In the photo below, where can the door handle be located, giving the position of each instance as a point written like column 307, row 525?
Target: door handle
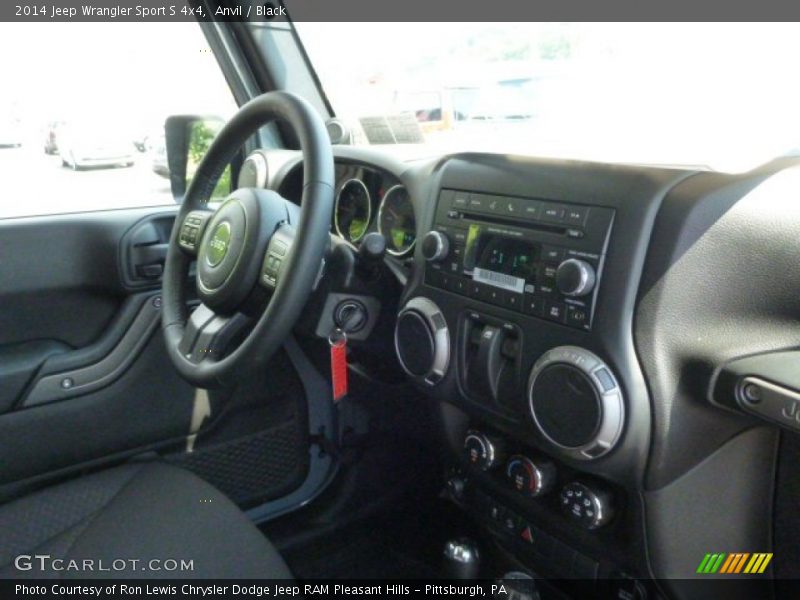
column 144, row 250
column 148, row 261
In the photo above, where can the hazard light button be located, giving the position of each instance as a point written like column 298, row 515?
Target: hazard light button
column 527, row 534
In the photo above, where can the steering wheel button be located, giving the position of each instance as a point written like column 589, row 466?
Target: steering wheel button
column 279, row 248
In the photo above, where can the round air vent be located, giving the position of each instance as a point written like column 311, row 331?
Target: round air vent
column 575, row 402
column 422, row 340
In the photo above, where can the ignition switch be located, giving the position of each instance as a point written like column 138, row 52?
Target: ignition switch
column 350, row 316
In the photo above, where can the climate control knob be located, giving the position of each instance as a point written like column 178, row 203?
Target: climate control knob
column 435, row 246
column 530, row 478
column 575, row 277
column 483, row 451
column 590, row 506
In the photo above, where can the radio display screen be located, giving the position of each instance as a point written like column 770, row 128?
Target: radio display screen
column 500, row 260
column 508, row 256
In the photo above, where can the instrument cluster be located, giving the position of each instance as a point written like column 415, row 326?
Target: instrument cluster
column 367, row 201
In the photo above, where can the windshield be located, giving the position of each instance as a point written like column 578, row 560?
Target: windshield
column 721, row 96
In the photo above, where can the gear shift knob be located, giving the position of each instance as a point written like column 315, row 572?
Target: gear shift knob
column 461, row 559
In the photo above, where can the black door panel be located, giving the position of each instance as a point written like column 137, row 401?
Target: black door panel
column 18, row 363
column 59, row 275
column 64, row 304
column 83, row 374
column 96, row 366
column 146, row 407
column 85, row 381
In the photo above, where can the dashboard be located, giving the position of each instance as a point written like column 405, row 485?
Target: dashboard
column 367, row 199
column 586, row 328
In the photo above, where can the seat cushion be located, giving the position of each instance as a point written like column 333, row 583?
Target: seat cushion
column 143, row 512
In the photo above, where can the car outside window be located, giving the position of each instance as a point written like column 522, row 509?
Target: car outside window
column 718, row 95
column 82, row 111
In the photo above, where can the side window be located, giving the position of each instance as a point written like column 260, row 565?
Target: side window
column 83, row 107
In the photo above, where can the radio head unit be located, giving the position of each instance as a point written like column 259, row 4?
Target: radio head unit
column 536, row 257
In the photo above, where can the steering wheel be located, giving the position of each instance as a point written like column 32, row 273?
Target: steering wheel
column 256, row 247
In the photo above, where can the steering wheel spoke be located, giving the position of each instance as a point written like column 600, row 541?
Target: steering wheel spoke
column 208, row 335
column 192, row 229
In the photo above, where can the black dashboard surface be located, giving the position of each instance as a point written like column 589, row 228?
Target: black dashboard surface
column 701, row 268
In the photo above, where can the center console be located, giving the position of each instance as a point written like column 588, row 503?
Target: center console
column 519, row 313
column 540, row 261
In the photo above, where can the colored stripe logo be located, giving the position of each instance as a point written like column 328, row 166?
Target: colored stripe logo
column 734, row 563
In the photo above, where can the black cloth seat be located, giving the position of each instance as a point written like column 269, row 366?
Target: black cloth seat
column 140, row 512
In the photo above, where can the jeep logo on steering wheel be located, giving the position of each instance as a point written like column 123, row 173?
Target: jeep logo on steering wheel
column 218, row 245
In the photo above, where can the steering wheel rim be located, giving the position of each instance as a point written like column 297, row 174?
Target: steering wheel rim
column 311, row 229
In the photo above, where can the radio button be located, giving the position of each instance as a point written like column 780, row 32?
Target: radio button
column 458, row 285
column 478, row 202
column 531, row 209
column 460, row 200
column 495, row 204
column 576, row 215
column 476, row 290
column 459, row 236
column 547, row 289
column 553, row 213
column 552, row 254
column 533, row 305
column 513, row 301
column 555, row 311
column 577, row 316
column 510, row 207
column 495, row 296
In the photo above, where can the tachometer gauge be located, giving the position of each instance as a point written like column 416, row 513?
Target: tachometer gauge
column 396, row 221
column 353, row 210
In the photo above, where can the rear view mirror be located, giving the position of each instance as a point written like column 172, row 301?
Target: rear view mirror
column 187, row 139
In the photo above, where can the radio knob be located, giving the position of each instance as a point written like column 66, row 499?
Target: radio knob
column 483, row 451
column 575, row 277
column 435, row 246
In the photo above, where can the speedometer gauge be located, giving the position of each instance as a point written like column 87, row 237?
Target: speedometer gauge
column 396, row 221
column 353, row 210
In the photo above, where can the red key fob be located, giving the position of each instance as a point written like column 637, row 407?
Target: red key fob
column 338, row 343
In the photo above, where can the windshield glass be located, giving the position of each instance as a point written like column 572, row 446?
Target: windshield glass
column 722, row 96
